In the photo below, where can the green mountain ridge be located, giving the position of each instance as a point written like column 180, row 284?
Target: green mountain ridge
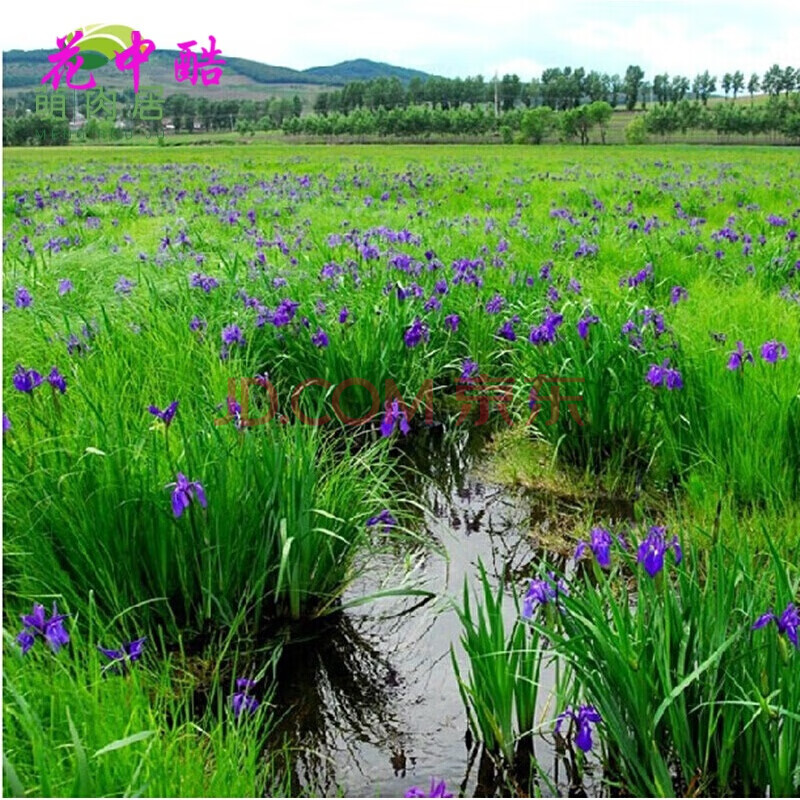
column 23, row 71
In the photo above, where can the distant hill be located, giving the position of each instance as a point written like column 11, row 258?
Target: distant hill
column 362, row 69
column 23, row 70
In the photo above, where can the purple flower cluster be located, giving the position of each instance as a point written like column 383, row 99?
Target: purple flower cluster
column 184, row 492
column 167, row 414
column 632, row 281
column 739, row 357
column 787, row 623
column 384, row 519
column 584, row 322
column 26, row 380
column 654, row 547
column 774, row 351
column 127, row 654
column 204, row 282
column 438, row 789
column 417, row 332
column 395, row 417
column 542, row 592
column 664, row 375
column 242, row 700
column 582, row 720
column 599, row 543
column 547, row 331
column 51, row 630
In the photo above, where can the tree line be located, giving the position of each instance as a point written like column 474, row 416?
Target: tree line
column 558, row 88
column 779, row 116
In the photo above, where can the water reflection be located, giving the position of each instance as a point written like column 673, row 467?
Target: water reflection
column 371, row 701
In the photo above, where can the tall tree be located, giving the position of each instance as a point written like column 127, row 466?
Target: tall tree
column 772, row 82
column 617, row 87
column 737, row 82
column 634, row 76
column 678, row 89
column 788, row 79
column 509, row 91
column 703, row 85
column 595, row 87
column 727, row 83
column 753, row 85
column 661, row 88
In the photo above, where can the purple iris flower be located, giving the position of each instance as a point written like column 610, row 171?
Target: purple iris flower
column 241, row 700
column 599, row 544
column 417, row 332
column 583, row 719
column 65, row 286
column 204, row 282
column 25, row 380
column 167, row 414
column 664, row 375
column 184, row 492
column 343, row 315
column 787, row 623
column 469, row 369
column 6, row 423
column 506, row 330
column 232, row 334
column 739, row 356
column 547, row 331
column 773, row 350
column 585, row 249
column 285, row 312
column 438, row 789
column 395, row 416
column 129, row 652
column 35, row 624
column 541, row 592
column 652, row 550
column 384, row 518
column 677, row 294
column 574, row 286
column 320, row 338
column 22, row 298
column 495, row 305
column 584, row 323
column 56, row 380
column 451, row 322
column 123, row 285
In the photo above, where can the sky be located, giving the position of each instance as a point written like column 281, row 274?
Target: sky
column 450, row 38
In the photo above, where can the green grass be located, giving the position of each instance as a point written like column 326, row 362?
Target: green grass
column 73, row 729
column 87, row 506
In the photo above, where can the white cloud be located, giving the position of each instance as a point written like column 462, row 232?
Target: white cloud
column 454, row 37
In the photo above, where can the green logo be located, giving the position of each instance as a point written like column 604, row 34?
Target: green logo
column 100, row 43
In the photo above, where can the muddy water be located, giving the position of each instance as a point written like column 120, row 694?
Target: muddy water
column 375, row 707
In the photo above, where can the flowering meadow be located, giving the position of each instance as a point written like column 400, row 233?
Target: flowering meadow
column 213, row 360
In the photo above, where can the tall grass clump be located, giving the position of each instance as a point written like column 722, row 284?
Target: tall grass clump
column 505, row 657
column 77, row 725
column 285, row 514
column 692, row 697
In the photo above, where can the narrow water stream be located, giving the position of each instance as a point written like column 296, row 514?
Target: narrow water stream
column 375, row 706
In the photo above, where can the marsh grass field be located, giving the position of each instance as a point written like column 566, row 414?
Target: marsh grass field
column 157, row 299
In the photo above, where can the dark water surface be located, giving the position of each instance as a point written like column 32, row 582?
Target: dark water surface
column 375, row 706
